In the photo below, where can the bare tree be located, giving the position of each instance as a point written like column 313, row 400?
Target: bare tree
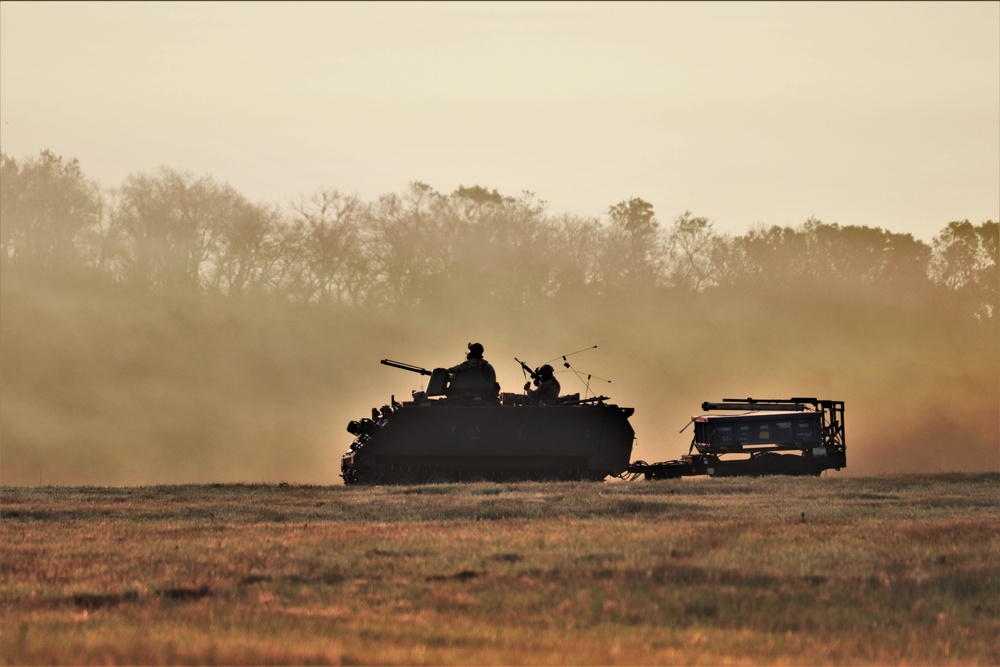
column 576, row 253
column 408, row 246
column 248, row 252
column 691, row 253
column 966, row 260
column 499, row 247
column 632, row 252
column 168, row 225
column 47, row 206
column 329, row 234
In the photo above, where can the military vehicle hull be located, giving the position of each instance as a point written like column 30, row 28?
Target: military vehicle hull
column 444, row 441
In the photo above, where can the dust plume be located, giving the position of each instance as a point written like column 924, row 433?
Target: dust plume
column 122, row 363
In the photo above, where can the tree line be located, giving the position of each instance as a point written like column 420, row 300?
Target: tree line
column 170, row 230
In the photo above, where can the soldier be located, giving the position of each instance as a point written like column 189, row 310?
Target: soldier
column 474, row 359
column 475, row 375
column 548, row 387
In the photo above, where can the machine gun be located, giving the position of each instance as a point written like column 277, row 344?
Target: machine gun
column 480, row 382
column 527, row 369
column 436, row 386
column 406, row 367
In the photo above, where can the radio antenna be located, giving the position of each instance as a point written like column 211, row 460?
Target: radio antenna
column 563, row 356
column 580, row 374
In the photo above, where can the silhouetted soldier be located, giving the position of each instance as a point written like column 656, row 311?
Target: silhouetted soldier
column 475, row 375
column 548, row 387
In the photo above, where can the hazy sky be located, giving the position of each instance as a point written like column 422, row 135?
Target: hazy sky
column 859, row 113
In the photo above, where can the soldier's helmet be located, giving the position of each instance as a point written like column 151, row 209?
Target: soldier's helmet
column 475, row 351
column 546, row 371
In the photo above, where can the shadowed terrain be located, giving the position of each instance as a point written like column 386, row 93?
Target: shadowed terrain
column 863, row 570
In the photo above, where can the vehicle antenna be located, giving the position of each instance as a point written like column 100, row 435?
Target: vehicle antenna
column 563, row 357
column 586, row 383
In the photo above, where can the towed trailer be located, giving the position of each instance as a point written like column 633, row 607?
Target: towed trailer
column 796, row 436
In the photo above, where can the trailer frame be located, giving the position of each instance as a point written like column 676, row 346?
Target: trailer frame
column 830, row 453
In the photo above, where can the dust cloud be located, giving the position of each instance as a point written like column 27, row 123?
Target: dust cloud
column 106, row 386
column 110, row 380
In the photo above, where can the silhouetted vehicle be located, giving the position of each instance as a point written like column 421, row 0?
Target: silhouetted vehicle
column 796, row 436
column 462, row 428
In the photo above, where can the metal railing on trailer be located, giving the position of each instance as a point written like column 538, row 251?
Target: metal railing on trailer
column 796, row 436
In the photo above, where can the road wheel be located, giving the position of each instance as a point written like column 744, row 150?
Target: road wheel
column 439, row 478
column 477, row 477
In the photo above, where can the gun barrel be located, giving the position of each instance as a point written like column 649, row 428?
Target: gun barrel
column 754, row 406
column 406, row 367
column 527, row 369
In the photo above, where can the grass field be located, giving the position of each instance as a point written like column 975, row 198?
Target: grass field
column 882, row 570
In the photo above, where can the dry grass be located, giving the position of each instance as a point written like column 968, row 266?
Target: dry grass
column 887, row 570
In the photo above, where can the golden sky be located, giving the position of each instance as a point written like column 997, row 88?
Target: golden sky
column 878, row 114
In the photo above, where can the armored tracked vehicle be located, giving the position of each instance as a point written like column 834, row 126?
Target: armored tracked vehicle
column 461, row 428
